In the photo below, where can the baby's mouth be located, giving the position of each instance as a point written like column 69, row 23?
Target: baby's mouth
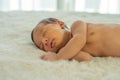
column 52, row 44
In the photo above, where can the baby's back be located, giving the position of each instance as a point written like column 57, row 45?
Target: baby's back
column 103, row 39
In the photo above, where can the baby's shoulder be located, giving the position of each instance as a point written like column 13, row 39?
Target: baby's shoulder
column 78, row 27
column 76, row 23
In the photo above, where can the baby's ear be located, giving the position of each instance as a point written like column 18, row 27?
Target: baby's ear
column 61, row 23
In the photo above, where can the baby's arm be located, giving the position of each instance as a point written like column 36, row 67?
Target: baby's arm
column 82, row 56
column 79, row 31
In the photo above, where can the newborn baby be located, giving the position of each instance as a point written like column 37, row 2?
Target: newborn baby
column 82, row 42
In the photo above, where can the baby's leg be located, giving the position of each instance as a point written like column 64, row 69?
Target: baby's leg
column 82, row 56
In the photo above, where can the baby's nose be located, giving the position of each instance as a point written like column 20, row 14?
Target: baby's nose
column 45, row 41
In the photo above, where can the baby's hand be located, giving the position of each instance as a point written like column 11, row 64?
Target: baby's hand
column 49, row 56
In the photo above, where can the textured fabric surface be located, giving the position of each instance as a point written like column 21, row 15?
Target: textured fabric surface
column 20, row 59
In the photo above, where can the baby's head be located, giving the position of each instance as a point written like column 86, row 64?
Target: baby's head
column 50, row 35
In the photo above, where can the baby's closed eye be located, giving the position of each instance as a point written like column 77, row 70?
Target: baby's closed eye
column 44, row 33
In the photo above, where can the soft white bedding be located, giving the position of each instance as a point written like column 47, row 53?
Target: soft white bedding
column 19, row 58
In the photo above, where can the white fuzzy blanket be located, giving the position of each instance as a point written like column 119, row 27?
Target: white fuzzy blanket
column 19, row 58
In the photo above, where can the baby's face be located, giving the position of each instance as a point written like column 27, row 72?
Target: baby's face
column 50, row 37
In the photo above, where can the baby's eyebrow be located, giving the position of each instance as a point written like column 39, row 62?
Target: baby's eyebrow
column 40, row 31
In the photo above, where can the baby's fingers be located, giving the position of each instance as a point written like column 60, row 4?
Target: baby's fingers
column 42, row 57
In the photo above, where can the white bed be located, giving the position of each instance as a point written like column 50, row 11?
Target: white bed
column 20, row 59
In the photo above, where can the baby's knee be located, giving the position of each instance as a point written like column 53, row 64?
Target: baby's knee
column 83, row 56
column 87, row 58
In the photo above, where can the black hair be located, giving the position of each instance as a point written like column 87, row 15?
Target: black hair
column 46, row 21
column 32, row 35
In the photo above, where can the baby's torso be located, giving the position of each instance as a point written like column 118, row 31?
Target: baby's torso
column 103, row 40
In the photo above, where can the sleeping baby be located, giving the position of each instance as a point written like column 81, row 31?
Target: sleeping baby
column 82, row 42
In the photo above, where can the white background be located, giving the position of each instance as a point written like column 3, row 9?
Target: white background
column 97, row 6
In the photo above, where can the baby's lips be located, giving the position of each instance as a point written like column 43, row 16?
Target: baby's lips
column 52, row 44
column 49, row 43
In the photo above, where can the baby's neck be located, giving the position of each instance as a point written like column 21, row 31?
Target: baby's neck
column 69, row 36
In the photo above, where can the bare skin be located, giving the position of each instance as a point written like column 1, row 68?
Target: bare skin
column 84, row 41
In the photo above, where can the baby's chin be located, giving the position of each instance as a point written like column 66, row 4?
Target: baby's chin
column 58, row 48
column 52, row 50
column 55, row 50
